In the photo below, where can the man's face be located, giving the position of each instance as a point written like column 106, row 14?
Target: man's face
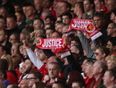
column 38, row 4
column 29, row 11
column 2, row 36
column 28, row 64
column 97, row 21
column 61, row 8
column 107, row 78
column 11, row 23
column 109, row 29
column 49, row 33
column 98, row 54
column 37, row 24
column 66, row 19
column 96, row 69
column 23, row 84
column 110, row 4
column 87, row 5
column 31, row 79
column 53, row 70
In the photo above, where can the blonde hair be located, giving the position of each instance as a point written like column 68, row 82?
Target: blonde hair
column 111, row 58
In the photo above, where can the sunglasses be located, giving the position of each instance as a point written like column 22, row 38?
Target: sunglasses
column 96, row 53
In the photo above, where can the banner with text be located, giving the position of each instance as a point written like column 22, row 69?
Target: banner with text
column 50, row 43
column 86, row 26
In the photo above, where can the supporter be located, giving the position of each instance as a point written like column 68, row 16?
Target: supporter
column 58, row 85
column 11, row 25
column 24, row 36
column 113, row 16
column 111, row 30
column 49, row 32
column 23, row 84
column 65, row 28
column 109, row 78
column 89, row 80
column 8, row 5
column 47, row 4
column 17, row 7
column 100, row 6
column 4, row 42
column 49, row 20
column 59, row 27
column 20, row 19
column 88, row 9
column 110, row 5
column 101, row 53
column 79, row 9
column 101, row 25
column 66, row 18
column 98, row 72
column 62, row 7
column 53, row 73
column 13, row 39
column 15, row 55
column 9, row 75
column 38, row 24
column 44, row 14
column 111, row 61
column 55, row 35
column 3, row 11
column 38, row 6
column 25, row 68
column 34, row 78
column 77, row 84
column 77, row 53
column 30, row 13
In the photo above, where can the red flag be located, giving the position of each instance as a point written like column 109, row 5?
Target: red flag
column 50, row 43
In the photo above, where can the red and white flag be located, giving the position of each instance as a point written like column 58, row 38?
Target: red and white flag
column 85, row 26
column 50, row 43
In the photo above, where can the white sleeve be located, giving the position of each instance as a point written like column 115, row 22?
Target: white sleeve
column 38, row 63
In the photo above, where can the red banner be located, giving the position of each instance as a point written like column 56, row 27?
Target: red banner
column 50, row 43
column 82, row 24
column 86, row 26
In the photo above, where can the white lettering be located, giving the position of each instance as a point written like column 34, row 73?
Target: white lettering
column 50, row 43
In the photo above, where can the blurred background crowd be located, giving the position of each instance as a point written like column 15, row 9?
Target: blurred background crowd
column 89, row 63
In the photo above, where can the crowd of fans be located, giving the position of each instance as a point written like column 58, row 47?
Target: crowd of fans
column 88, row 64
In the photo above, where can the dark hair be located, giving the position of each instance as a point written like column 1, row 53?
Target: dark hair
column 52, row 18
column 113, row 11
column 80, row 4
column 104, row 50
column 26, row 4
column 99, row 14
column 1, row 17
column 3, row 65
column 12, row 16
column 113, row 41
column 67, row 14
column 79, row 46
column 42, row 22
column 61, row 83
